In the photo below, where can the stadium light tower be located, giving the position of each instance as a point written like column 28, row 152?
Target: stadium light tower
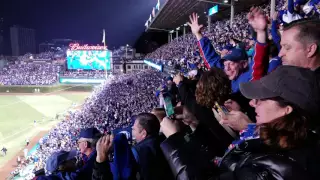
column 127, row 51
column 177, row 31
column 184, row 29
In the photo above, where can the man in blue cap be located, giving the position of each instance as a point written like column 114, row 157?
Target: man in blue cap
column 87, row 143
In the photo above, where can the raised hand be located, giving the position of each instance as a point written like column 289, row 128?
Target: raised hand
column 194, row 24
column 237, row 120
column 103, row 146
column 257, row 19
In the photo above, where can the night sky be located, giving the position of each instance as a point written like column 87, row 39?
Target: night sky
column 80, row 19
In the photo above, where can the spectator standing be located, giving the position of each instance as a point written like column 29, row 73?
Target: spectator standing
column 147, row 152
column 4, row 151
column 87, row 144
column 18, row 160
column 25, row 153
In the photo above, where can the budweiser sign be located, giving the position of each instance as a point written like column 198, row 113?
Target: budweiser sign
column 74, row 47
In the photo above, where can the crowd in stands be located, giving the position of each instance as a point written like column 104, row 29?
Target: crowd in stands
column 84, row 74
column 24, row 71
column 110, row 107
column 235, row 118
column 48, row 55
column 184, row 49
column 28, row 73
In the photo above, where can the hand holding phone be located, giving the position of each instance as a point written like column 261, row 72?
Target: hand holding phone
column 222, row 109
column 168, row 105
column 169, row 127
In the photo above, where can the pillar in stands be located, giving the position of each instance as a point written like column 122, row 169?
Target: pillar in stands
column 232, row 13
column 177, row 31
column 272, row 7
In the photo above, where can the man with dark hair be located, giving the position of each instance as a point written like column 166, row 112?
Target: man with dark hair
column 150, row 159
column 300, row 43
column 146, row 124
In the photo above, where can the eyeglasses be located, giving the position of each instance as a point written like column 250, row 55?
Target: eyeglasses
column 80, row 142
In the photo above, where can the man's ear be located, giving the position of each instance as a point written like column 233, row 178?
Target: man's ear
column 312, row 50
column 86, row 144
column 244, row 64
column 144, row 133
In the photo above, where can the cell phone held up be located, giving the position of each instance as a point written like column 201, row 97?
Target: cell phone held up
column 222, row 108
column 168, row 105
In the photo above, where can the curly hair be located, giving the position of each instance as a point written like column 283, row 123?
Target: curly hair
column 285, row 132
column 213, row 86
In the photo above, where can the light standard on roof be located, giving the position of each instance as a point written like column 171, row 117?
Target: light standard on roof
column 177, row 32
column 127, row 51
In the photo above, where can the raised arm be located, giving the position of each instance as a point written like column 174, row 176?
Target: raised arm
column 207, row 51
column 259, row 65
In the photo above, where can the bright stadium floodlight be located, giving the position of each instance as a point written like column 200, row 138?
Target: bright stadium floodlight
column 226, row 1
column 185, row 24
column 178, row 28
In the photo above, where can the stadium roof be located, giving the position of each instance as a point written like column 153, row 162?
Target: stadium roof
column 175, row 13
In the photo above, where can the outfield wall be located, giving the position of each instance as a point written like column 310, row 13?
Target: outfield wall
column 47, row 89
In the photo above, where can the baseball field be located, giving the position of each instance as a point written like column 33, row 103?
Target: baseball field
column 18, row 113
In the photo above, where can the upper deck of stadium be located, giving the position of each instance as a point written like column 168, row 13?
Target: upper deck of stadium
column 175, row 13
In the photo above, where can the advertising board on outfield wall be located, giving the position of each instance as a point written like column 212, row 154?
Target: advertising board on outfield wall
column 80, row 81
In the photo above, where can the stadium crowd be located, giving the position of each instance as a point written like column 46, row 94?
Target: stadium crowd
column 85, row 74
column 236, row 118
column 184, row 50
column 108, row 108
column 49, row 55
column 28, row 73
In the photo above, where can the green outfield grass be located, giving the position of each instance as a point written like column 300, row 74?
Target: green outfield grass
column 18, row 112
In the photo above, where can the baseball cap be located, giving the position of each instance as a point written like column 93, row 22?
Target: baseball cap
column 296, row 85
column 89, row 133
column 235, row 55
column 57, row 158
